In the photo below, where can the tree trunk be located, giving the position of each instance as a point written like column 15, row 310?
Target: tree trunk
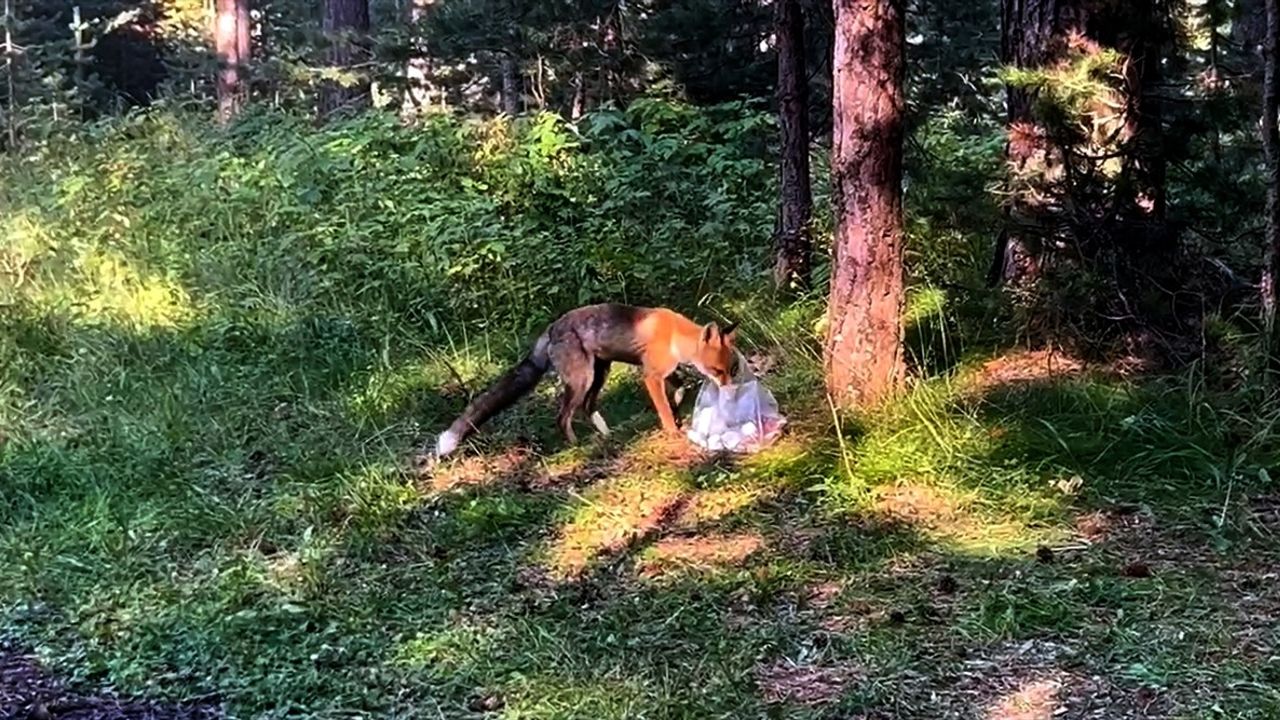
column 579, row 93
column 1140, row 39
column 1271, row 147
column 510, row 84
column 417, row 93
column 792, row 245
column 1031, row 36
column 1125, row 123
column 864, row 359
column 231, row 41
column 11, row 96
column 1249, row 28
column 346, row 29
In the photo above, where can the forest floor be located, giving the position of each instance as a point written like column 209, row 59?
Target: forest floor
column 227, row 534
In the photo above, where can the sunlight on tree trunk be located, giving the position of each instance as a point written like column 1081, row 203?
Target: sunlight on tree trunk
column 1271, row 148
column 1030, row 36
column 793, row 246
column 864, row 358
column 346, row 29
column 231, row 40
column 417, row 93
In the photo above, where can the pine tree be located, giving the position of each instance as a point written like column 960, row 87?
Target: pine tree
column 864, row 358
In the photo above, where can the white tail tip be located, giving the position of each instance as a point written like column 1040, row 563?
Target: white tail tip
column 447, row 443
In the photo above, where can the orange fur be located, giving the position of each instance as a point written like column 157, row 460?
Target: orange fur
column 582, row 345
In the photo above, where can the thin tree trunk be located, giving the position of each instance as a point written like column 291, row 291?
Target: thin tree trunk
column 579, row 93
column 231, row 41
column 1030, row 36
column 1145, row 157
column 793, row 247
column 1271, row 148
column 510, row 84
column 1248, row 27
column 417, row 94
column 346, row 29
column 864, row 359
column 11, row 98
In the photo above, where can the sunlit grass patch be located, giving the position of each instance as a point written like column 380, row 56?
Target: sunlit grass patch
column 433, row 372
column 694, row 554
column 375, row 497
column 103, row 287
column 957, row 519
column 610, row 517
column 458, row 647
column 706, row 507
column 548, row 695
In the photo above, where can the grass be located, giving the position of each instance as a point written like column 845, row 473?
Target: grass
column 210, row 423
column 232, row 513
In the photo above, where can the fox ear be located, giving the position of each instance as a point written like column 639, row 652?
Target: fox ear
column 730, row 332
column 709, row 332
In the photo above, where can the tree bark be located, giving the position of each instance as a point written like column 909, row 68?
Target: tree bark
column 864, row 358
column 346, row 29
column 510, row 84
column 1136, row 30
column 1032, row 35
column 231, row 43
column 1249, row 28
column 11, row 97
column 1127, row 123
column 792, row 244
column 1271, row 148
column 417, row 93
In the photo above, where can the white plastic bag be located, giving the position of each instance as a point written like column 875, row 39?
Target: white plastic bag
column 742, row 417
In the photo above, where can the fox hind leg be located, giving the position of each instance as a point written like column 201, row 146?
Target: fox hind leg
column 591, row 404
column 574, row 366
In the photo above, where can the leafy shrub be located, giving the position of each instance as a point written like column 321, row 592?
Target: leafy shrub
column 160, row 218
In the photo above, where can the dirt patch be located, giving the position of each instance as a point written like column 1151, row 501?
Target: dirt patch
column 1123, row 525
column 1264, row 512
column 1034, row 700
column 698, row 553
column 28, row 691
column 1041, row 680
column 916, row 504
column 1025, row 367
column 612, row 519
column 803, row 683
column 822, row 596
column 477, row 471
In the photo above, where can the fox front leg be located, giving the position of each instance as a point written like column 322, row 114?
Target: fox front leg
column 656, row 385
column 675, row 390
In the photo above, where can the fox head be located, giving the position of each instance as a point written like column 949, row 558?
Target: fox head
column 716, row 355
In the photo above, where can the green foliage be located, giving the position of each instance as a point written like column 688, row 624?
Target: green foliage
column 1066, row 90
column 443, row 224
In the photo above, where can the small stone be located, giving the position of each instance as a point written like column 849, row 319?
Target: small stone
column 947, row 584
column 487, row 703
column 1137, row 570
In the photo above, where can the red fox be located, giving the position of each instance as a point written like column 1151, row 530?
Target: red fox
column 581, row 346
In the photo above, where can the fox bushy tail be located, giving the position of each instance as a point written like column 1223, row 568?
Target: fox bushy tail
column 499, row 396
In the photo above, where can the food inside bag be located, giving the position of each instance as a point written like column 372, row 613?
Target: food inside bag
column 742, row 417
